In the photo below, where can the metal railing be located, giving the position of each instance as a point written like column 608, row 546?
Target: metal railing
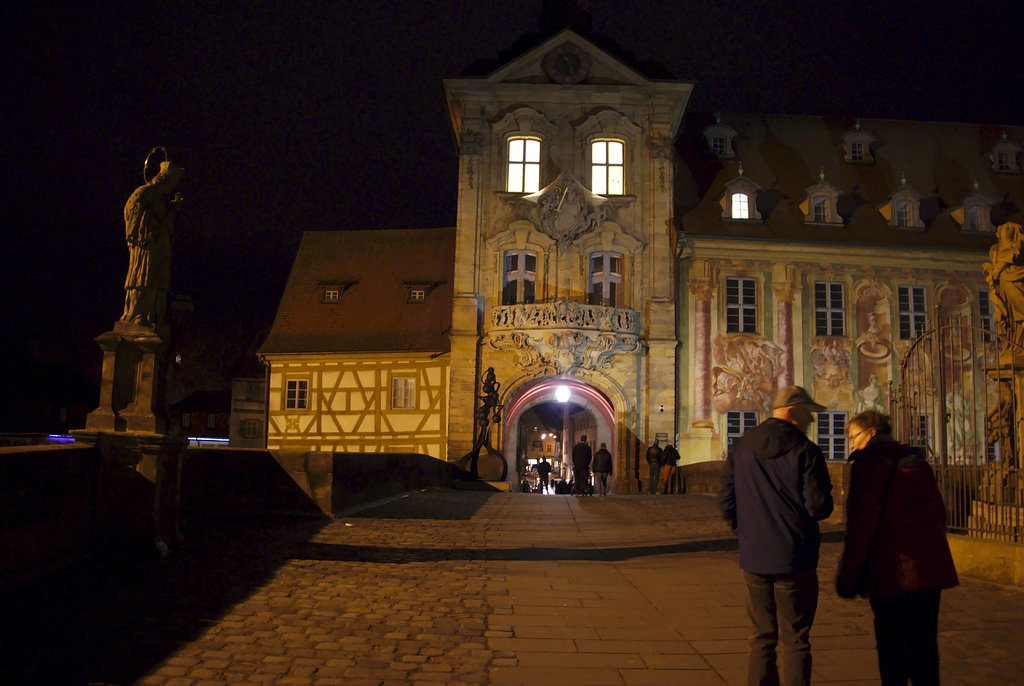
column 959, row 399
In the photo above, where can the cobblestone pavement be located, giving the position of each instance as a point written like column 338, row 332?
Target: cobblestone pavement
column 453, row 587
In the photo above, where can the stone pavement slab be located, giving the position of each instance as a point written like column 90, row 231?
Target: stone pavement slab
column 458, row 587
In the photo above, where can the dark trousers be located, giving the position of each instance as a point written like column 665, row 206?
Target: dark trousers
column 580, row 480
column 601, row 481
column 654, row 469
column 906, row 636
column 781, row 608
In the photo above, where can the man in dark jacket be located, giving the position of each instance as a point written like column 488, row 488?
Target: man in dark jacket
column 602, row 467
column 775, row 489
column 669, row 461
column 653, row 467
column 581, row 457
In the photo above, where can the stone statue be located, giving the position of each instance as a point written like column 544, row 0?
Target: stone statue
column 1005, row 276
column 148, row 227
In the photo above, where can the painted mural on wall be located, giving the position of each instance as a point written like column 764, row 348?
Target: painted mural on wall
column 831, row 358
column 745, row 376
column 872, row 344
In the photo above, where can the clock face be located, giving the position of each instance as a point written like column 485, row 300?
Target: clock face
column 567, row 64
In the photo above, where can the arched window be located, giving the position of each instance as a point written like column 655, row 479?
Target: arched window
column 606, row 279
column 520, row 277
column 523, row 165
column 740, row 206
column 607, row 172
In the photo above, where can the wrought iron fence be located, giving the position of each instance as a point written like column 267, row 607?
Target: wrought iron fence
column 960, row 398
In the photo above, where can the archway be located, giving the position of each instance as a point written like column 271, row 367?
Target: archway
column 556, row 390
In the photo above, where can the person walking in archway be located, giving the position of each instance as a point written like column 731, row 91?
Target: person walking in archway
column 602, row 469
column 581, row 457
column 543, row 471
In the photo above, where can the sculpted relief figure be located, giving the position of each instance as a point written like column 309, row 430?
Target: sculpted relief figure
column 1005, row 276
column 149, row 223
column 871, row 397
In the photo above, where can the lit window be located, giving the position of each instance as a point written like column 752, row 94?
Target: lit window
column 913, row 316
column 520, row 277
column 736, row 422
column 251, row 428
column 718, row 145
column 829, row 309
column 605, row 278
column 740, row 206
column 740, row 305
column 523, row 165
column 296, row 391
column 403, row 393
column 856, row 151
column 832, row 434
column 819, row 207
column 607, row 171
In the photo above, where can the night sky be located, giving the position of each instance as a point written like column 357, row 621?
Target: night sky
column 300, row 116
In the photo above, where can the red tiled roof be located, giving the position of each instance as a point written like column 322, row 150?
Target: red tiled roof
column 784, row 155
column 373, row 313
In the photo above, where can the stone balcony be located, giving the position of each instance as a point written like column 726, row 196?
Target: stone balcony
column 563, row 314
column 563, row 337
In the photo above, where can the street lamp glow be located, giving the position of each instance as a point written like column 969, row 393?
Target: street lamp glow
column 562, row 394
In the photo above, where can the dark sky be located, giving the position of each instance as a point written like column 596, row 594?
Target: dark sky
column 297, row 116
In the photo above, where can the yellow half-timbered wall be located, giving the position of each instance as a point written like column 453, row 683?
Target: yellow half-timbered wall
column 350, row 408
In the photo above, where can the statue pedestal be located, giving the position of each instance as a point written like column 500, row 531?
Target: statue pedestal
column 138, row 490
column 131, row 388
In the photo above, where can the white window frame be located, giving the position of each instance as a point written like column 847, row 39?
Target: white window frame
column 296, row 394
column 607, row 279
column 913, row 311
column 857, row 151
column 740, row 304
column 524, row 158
column 608, row 174
column 921, row 433
column 403, row 392
column 736, row 423
column 417, row 295
column 332, row 294
column 250, row 428
column 820, row 211
column 739, row 205
column 520, row 276
column 831, row 429
column 719, row 145
column 829, row 308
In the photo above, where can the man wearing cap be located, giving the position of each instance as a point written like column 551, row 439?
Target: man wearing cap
column 775, row 490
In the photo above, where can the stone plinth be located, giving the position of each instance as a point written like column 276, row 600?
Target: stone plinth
column 131, row 388
column 139, row 480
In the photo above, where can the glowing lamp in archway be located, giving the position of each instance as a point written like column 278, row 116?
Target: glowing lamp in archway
column 562, row 394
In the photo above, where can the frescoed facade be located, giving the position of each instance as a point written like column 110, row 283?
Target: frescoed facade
column 656, row 273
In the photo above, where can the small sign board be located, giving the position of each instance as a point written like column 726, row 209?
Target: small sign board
column 661, row 436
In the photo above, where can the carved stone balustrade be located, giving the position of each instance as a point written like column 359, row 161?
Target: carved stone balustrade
column 564, row 337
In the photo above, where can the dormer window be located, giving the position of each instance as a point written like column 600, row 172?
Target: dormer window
column 330, row 293
column 419, row 290
column 975, row 216
column 719, row 140
column 903, row 211
column 820, row 205
column 739, row 202
column 857, row 146
column 1004, row 156
column 523, row 165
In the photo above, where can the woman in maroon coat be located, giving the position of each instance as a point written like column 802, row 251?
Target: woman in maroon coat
column 896, row 552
